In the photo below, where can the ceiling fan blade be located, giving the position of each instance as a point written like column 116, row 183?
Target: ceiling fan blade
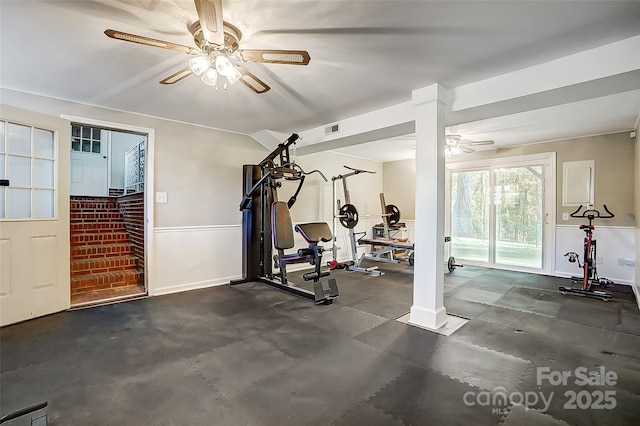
column 119, row 35
column 176, row 77
column 210, row 16
column 476, row 143
column 292, row 57
column 251, row 81
column 377, row 31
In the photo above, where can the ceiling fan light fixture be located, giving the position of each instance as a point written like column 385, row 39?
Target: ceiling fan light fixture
column 452, row 151
column 210, row 77
column 451, row 148
column 226, row 69
column 199, row 64
column 224, row 66
column 217, row 47
column 235, row 76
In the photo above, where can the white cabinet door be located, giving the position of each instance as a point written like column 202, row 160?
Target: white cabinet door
column 34, row 228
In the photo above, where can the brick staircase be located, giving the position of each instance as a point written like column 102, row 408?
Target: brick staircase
column 103, row 264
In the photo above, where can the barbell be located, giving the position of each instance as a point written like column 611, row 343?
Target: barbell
column 348, row 215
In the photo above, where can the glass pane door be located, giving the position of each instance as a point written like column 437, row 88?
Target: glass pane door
column 470, row 213
column 518, row 199
column 499, row 213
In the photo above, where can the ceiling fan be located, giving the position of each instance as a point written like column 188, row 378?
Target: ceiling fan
column 455, row 145
column 217, row 53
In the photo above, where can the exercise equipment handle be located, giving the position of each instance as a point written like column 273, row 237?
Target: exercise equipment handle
column 595, row 214
column 353, row 172
column 607, row 210
column 244, row 204
column 23, row 411
column 298, row 167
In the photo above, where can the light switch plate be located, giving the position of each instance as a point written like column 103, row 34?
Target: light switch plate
column 161, row 197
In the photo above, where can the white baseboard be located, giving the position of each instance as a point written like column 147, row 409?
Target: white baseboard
column 579, row 273
column 192, row 286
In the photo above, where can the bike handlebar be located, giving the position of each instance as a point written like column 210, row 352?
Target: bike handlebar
column 593, row 213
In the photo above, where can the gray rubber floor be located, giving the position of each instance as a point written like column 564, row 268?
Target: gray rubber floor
column 253, row 355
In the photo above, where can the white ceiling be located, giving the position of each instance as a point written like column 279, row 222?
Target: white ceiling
column 365, row 55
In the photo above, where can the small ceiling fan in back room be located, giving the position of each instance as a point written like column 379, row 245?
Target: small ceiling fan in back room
column 455, row 145
column 217, row 54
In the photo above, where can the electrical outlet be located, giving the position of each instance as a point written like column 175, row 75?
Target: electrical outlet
column 565, row 216
column 620, row 262
column 599, row 260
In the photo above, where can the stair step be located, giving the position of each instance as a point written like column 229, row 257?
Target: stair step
column 106, row 296
column 102, row 250
column 97, row 227
column 76, row 207
column 99, row 238
column 94, row 282
column 83, row 217
column 104, row 264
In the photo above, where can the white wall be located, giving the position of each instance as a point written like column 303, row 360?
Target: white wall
column 613, row 243
column 399, row 186
column 120, row 143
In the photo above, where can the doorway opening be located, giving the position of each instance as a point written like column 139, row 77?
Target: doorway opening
column 107, row 214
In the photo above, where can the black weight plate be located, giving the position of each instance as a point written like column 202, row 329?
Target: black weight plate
column 451, row 264
column 394, row 214
column 348, row 216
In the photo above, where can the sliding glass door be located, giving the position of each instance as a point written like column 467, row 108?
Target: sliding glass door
column 470, row 205
column 519, row 208
column 499, row 212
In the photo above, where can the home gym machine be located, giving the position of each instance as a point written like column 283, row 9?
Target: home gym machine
column 590, row 278
column 266, row 223
column 385, row 245
column 347, row 215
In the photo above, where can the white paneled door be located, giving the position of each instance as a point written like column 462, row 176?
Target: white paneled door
column 89, row 171
column 34, row 215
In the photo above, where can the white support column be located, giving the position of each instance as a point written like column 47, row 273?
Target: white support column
column 428, row 272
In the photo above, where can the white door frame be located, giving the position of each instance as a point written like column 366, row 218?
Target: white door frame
column 550, row 191
column 148, row 185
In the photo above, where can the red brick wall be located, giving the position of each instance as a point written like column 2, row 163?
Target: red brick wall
column 132, row 209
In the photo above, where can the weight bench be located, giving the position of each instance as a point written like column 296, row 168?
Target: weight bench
column 313, row 233
column 385, row 247
column 388, row 246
